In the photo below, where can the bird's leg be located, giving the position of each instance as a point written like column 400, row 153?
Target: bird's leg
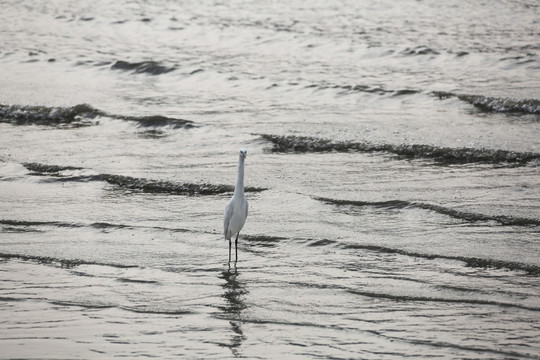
column 236, row 246
column 230, row 243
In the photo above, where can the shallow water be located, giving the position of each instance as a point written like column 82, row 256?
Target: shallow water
column 392, row 175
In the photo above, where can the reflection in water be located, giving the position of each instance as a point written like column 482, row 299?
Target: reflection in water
column 234, row 296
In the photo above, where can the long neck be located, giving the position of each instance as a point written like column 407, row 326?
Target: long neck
column 239, row 189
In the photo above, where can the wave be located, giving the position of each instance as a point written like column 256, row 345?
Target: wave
column 19, row 229
column 79, row 115
column 75, row 116
column 347, row 89
column 474, row 262
column 10, row 299
column 133, row 183
column 263, row 238
column 157, row 121
column 266, row 241
column 169, row 187
column 57, row 177
column 59, row 173
column 133, row 309
column 25, row 223
column 469, row 261
column 105, row 225
column 495, row 104
column 419, row 50
column 138, row 281
column 152, row 134
column 48, row 169
column 409, row 298
column 163, row 186
column 92, row 305
column 456, row 214
column 443, row 155
column 321, row 242
column 147, row 310
column 146, row 67
column 67, row 263
column 30, row 226
column 101, row 306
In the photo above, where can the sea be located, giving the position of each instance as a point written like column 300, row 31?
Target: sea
column 392, row 174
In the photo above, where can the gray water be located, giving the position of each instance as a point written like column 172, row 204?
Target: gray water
column 393, row 177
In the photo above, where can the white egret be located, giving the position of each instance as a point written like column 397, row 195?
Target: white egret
column 237, row 209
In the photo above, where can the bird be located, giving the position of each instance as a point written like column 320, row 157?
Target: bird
column 236, row 210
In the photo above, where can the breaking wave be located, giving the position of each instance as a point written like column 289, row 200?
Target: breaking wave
column 496, row 104
column 79, row 115
column 48, row 169
column 146, row 67
column 444, row 155
column 169, row 187
column 133, row 183
column 419, row 50
column 456, row 214
column 266, row 241
column 159, row 121
column 76, row 116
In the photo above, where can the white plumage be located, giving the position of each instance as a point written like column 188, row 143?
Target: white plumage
column 237, row 209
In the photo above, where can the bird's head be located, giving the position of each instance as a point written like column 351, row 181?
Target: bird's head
column 243, row 153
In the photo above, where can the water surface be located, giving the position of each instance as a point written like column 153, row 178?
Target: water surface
column 392, row 175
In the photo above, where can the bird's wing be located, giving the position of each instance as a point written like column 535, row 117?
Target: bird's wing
column 247, row 205
column 227, row 218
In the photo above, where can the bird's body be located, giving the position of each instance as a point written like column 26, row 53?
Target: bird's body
column 236, row 213
column 236, row 210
